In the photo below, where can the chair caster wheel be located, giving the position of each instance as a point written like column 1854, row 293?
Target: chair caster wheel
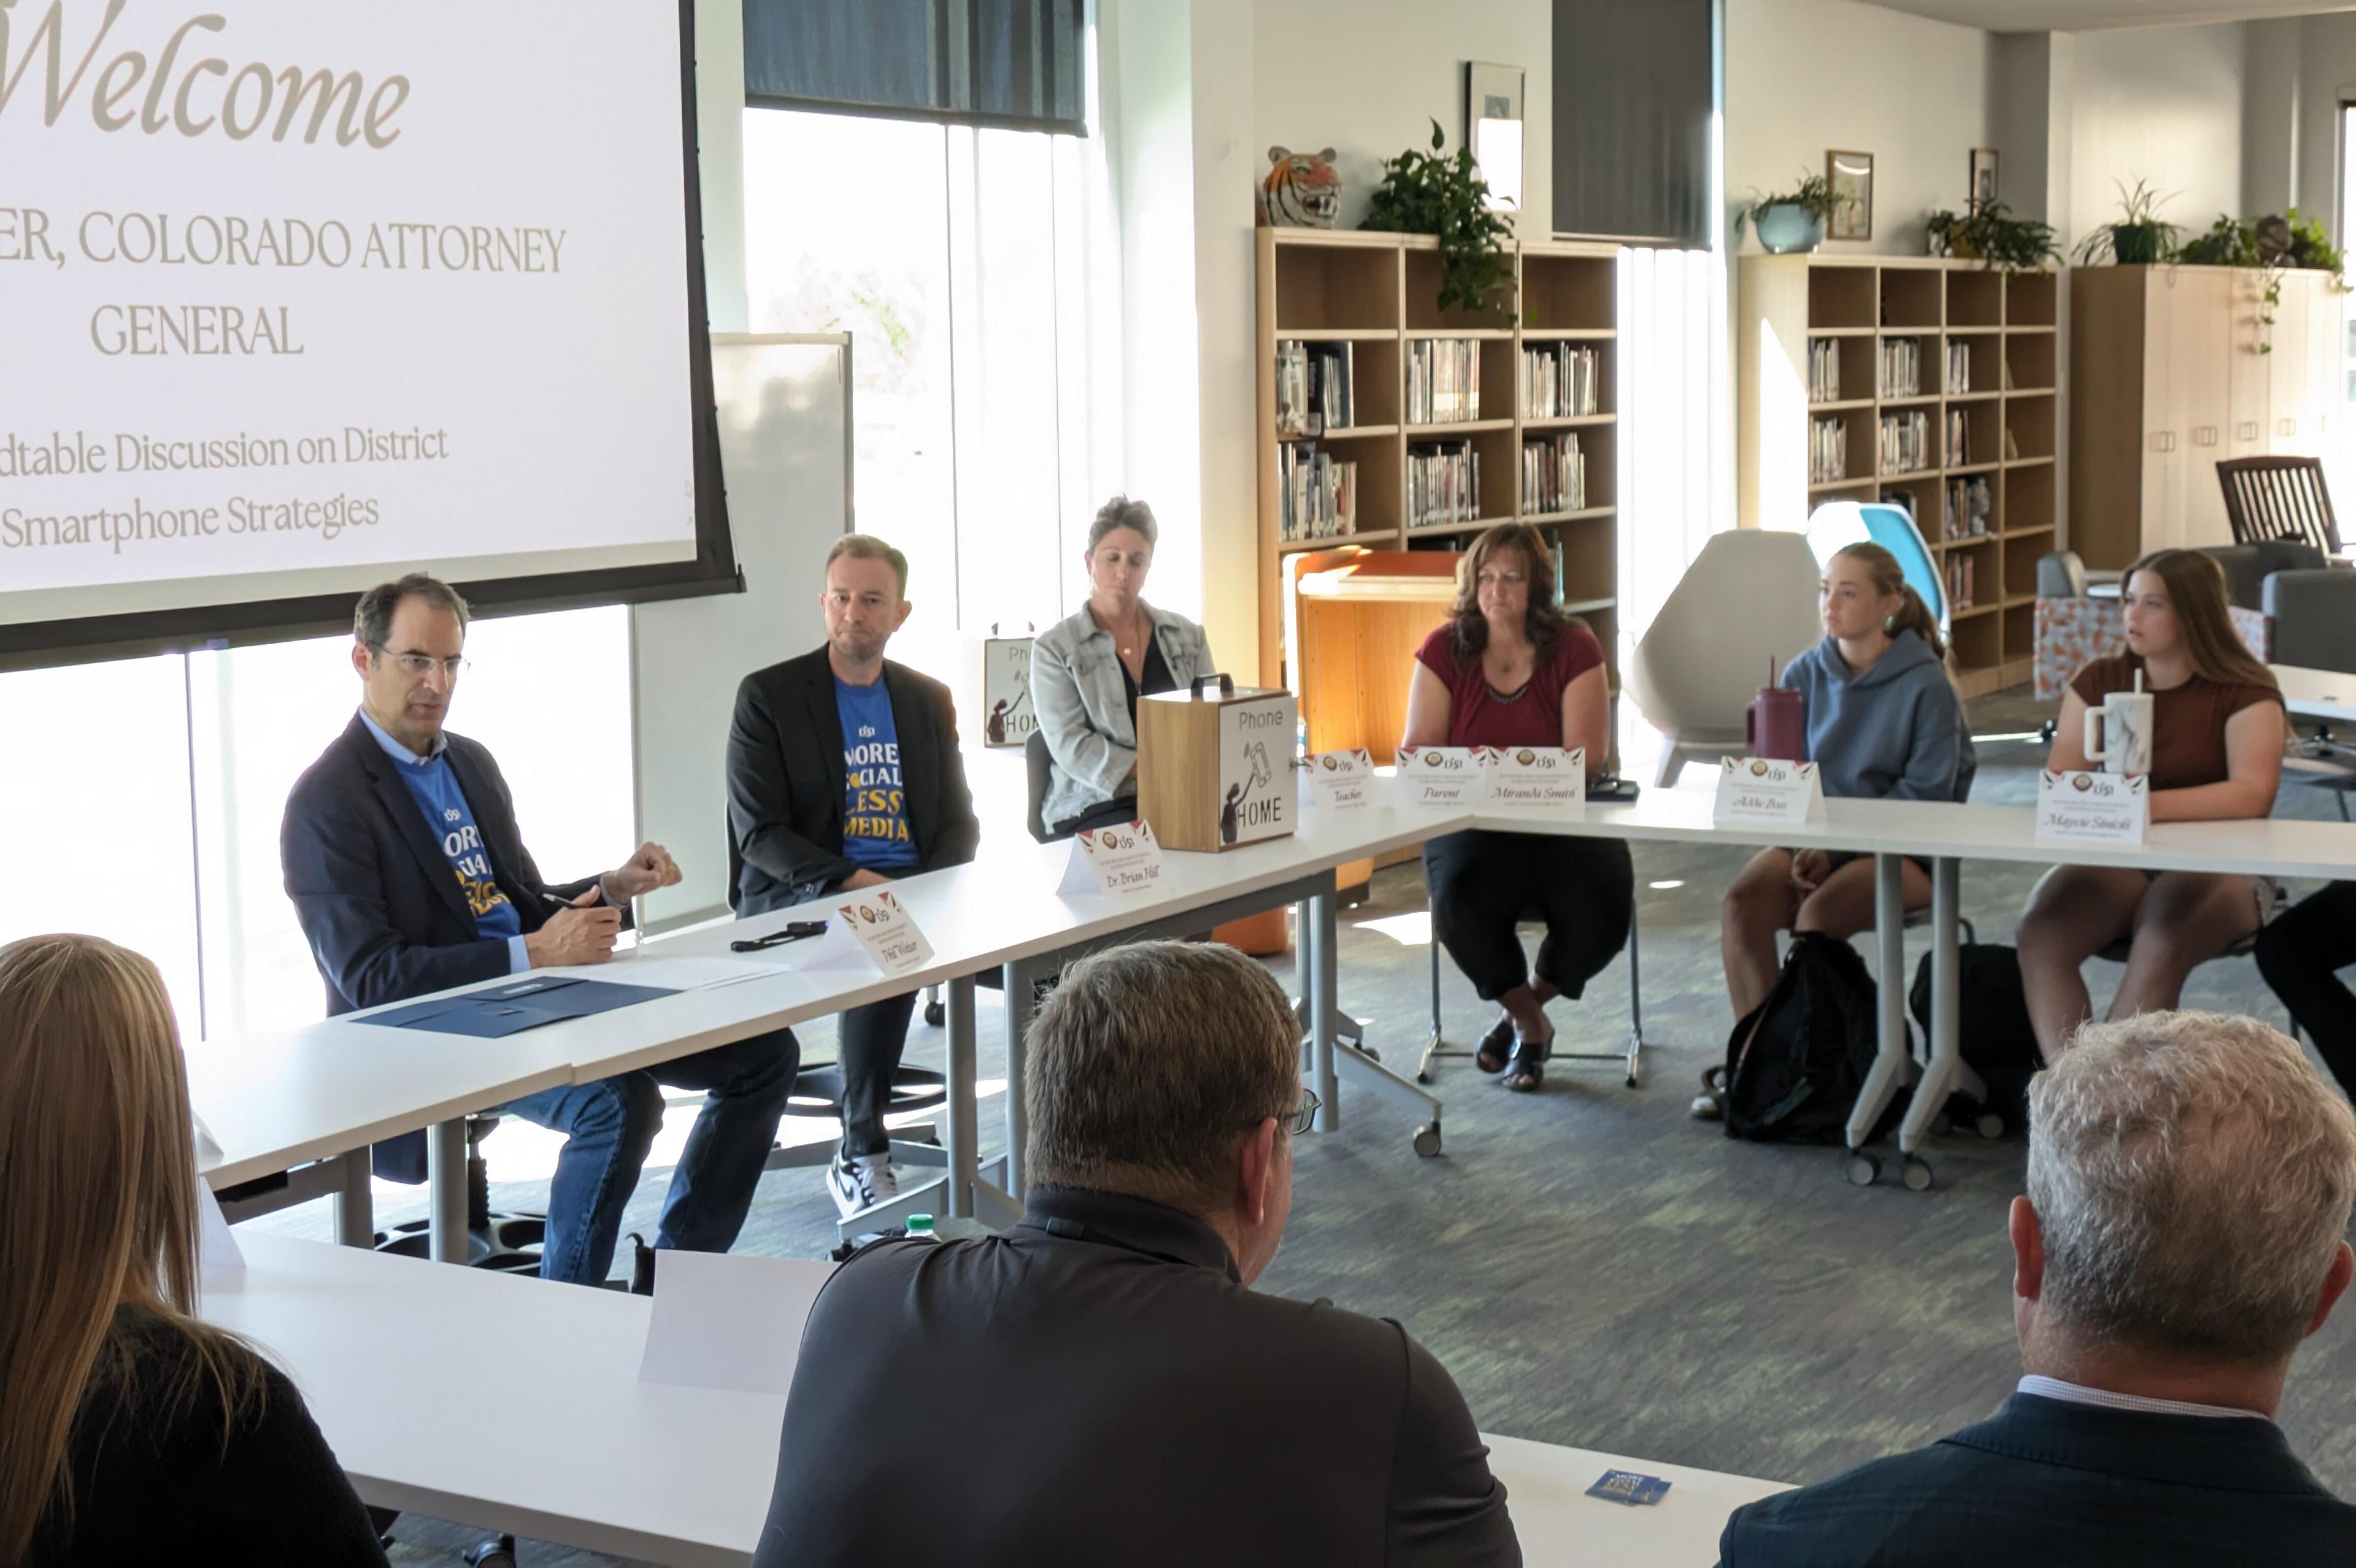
column 1632, row 1081
column 1916, row 1174
column 1862, row 1169
column 1426, row 1139
column 1989, row 1125
column 499, row 1553
column 1368, row 1052
column 937, row 1013
column 1423, row 1075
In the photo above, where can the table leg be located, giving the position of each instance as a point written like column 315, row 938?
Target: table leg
column 960, row 1115
column 355, row 1209
column 1320, row 946
column 1946, row 1045
column 1017, row 979
column 1889, row 1059
column 446, row 1178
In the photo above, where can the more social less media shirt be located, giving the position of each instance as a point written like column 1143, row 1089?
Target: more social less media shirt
column 874, row 803
column 452, row 822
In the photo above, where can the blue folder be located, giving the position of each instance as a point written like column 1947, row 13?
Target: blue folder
column 511, row 1009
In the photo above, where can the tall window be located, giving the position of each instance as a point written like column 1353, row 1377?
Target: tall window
column 970, row 266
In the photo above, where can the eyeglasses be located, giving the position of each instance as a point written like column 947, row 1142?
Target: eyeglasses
column 418, row 666
column 1303, row 1116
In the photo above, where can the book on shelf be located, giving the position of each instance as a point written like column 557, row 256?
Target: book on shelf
column 1554, row 474
column 1443, row 483
column 1561, row 381
column 1312, row 389
column 1317, row 497
column 1443, row 381
column 1824, row 371
column 1966, row 503
column 1905, row 445
column 1828, row 450
column 1959, row 369
column 1959, row 444
column 2011, row 445
column 1901, row 367
column 1959, row 582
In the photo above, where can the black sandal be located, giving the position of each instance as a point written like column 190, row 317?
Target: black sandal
column 1491, row 1055
column 1526, row 1069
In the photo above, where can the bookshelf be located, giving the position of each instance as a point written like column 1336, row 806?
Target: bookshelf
column 1461, row 450
column 1819, row 339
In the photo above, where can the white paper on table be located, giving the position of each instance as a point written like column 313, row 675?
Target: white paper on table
column 1117, row 861
column 1762, row 789
column 729, row 1321
column 686, row 973
column 1544, row 778
column 1341, row 781
column 217, row 1252
column 870, row 927
column 1444, row 776
column 2091, row 808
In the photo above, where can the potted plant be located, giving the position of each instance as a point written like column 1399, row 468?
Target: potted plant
column 2230, row 242
column 1425, row 193
column 2139, row 238
column 1989, row 233
column 1794, row 221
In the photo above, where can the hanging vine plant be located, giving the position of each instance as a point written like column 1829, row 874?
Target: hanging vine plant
column 1429, row 193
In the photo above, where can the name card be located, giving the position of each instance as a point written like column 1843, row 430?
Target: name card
column 729, row 1320
column 1118, row 862
column 218, row 1253
column 2093, row 809
column 1446, row 777
column 1544, row 777
column 1341, row 781
column 1761, row 789
column 871, row 927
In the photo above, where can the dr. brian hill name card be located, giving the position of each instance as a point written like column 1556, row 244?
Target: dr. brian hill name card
column 2093, row 809
column 1118, row 862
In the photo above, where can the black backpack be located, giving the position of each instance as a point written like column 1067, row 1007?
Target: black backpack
column 1793, row 1065
column 1992, row 1017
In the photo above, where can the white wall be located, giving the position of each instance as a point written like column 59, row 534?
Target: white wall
column 2327, row 51
column 2162, row 104
column 1804, row 76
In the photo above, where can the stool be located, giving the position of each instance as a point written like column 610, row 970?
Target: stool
column 508, row 1243
column 818, row 1093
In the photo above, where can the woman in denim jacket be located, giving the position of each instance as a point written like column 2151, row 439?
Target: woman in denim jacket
column 1088, row 672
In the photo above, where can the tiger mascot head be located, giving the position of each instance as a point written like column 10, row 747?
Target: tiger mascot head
column 1300, row 192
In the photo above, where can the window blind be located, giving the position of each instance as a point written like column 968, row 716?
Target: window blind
column 1634, row 92
column 1011, row 63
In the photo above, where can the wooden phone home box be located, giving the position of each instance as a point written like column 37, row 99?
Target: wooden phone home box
column 1215, row 764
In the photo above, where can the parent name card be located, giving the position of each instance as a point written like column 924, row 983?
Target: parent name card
column 1544, row 777
column 1118, row 862
column 1448, row 778
column 2093, row 809
column 871, row 927
column 1341, row 781
column 1761, row 789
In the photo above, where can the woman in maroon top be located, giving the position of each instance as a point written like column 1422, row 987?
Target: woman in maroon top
column 1510, row 669
column 2217, row 745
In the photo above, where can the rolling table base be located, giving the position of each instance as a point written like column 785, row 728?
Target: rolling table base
column 1894, row 1065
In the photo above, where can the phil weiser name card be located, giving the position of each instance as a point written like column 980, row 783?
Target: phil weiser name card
column 1118, row 862
column 1546, row 778
column 1341, row 781
column 2093, row 809
column 1446, row 777
column 873, row 927
column 1760, row 789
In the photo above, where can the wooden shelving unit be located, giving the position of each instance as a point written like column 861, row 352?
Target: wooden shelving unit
column 1379, row 293
column 2010, row 407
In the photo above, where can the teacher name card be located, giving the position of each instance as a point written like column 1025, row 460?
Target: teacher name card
column 1762, row 789
column 871, row 926
column 1341, row 781
column 1446, row 778
column 2093, row 809
column 1118, row 862
column 1544, row 777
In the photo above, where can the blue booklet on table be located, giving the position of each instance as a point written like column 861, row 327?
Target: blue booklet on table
column 518, row 1006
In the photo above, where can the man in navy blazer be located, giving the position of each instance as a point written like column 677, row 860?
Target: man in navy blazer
column 2189, row 1180
column 409, row 875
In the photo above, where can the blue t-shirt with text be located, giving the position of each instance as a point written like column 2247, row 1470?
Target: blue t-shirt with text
column 874, row 806
column 453, row 822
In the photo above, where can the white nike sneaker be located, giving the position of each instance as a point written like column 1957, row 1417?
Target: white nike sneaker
column 861, row 1182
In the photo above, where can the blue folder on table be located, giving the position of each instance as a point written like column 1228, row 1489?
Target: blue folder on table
column 514, row 1007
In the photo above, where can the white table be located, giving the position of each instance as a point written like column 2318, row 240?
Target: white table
column 385, row 1350
column 2324, row 694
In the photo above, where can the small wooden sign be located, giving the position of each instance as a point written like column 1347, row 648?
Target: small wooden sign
column 1007, row 719
column 1215, row 764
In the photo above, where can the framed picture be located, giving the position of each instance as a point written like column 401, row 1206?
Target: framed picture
column 1982, row 185
column 1493, row 129
column 1851, row 176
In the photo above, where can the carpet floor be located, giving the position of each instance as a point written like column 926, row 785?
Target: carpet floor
column 1594, row 1267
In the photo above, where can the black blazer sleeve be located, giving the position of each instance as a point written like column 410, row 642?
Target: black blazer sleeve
column 336, row 877
column 959, row 837
column 1445, row 1506
column 761, row 799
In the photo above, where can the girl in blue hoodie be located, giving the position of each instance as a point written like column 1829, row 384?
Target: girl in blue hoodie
column 1883, row 723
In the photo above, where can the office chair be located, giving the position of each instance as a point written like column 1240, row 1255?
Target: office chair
column 506, row 1241
column 2271, row 498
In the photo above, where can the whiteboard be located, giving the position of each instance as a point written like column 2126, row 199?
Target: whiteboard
column 784, row 402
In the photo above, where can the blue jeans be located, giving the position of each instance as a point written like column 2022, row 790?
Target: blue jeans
column 609, row 1125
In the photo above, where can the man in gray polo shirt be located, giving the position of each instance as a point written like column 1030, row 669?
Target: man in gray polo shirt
column 1110, row 1384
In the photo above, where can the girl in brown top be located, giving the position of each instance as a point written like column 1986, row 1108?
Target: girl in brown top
column 2217, row 741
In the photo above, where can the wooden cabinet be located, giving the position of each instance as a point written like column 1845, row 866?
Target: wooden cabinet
column 2173, row 369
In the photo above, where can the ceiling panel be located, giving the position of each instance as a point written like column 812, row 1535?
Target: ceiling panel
column 2090, row 15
